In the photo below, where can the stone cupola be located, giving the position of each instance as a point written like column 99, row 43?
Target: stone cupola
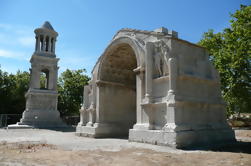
column 45, row 39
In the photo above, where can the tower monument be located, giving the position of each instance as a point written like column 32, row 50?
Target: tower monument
column 42, row 96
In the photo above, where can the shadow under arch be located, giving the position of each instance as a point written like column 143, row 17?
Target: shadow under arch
column 116, row 84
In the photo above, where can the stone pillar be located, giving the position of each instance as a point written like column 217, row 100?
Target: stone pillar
column 53, row 45
column 51, row 79
column 37, row 49
column 43, row 43
column 83, row 115
column 35, row 80
column 139, row 71
column 139, row 80
column 98, row 117
column 172, row 64
column 49, row 45
column 171, row 126
column 54, row 80
column 52, row 41
column 83, row 110
column 92, row 116
column 148, row 71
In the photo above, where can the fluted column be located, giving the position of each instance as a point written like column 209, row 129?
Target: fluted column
column 172, row 67
column 148, row 72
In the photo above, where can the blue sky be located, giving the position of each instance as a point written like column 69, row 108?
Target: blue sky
column 86, row 27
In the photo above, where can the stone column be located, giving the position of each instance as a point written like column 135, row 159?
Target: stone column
column 44, row 43
column 139, row 80
column 54, row 81
column 53, row 45
column 139, row 71
column 37, row 49
column 35, row 78
column 82, row 112
column 32, row 78
column 80, row 123
column 148, row 72
column 52, row 41
column 51, row 79
column 83, row 109
column 173, row 69
column 171, row 126
column 99, row 116
column 92, row 116
column 49, row 44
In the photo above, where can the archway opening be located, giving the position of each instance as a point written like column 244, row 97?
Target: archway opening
column 44, row 79
column 119, row 91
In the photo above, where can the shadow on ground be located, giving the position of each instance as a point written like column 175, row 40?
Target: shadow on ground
column 235, row 147
column 62, row 129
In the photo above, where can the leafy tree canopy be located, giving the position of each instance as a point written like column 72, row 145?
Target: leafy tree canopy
column 70, row 87
column 14, row 86
column 12, row 92
column 230, row 52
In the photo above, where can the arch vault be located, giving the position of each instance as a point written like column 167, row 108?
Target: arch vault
column 155, row 88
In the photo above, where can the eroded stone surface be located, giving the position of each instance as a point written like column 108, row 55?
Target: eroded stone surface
column 41, row 98
column 161, row 88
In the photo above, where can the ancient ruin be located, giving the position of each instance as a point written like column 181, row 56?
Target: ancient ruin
column 157, row 88
column 41, row 98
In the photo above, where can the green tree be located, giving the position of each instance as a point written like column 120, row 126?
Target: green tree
column 12, row 92
column 6, row 84
column 70, row 87
column 230, row 52
column 18, row 100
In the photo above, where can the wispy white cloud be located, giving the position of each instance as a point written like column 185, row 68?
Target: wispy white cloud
column 70, row 59
column 5, row 27
column 26, row 41
column 13, row 54
column 16, row 35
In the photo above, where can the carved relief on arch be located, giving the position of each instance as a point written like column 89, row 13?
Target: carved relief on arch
column 160, row 58
column 118, row 64
column 133, row 36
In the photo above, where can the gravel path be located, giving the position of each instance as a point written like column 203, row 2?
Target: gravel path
column 35, row 147
column 68, row 140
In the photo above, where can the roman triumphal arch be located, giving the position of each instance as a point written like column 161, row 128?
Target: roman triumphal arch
column 157, row 89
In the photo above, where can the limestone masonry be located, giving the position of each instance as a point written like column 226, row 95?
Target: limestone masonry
column 41, row 98
column 157, row 88
column 150, row 85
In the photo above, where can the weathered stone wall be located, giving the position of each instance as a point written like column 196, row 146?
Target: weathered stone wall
column 167, row 84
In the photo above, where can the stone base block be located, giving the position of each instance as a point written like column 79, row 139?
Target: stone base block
column 100, row 131
column 183, row 139
column 41, row 119
column 16, row 126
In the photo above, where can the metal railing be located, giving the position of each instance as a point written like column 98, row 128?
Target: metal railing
column 6, row 119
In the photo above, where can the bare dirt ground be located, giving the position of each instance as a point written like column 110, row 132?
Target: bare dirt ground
column 51, row 148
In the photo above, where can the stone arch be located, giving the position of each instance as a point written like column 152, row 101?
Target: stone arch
column 44, row 78
column 138, row 50
column 116, row 81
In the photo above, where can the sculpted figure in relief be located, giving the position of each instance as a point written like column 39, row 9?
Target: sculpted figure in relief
column 161, row 58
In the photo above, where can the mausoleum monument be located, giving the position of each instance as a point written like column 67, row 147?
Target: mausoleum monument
column 41, row 98
column 157, row 89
